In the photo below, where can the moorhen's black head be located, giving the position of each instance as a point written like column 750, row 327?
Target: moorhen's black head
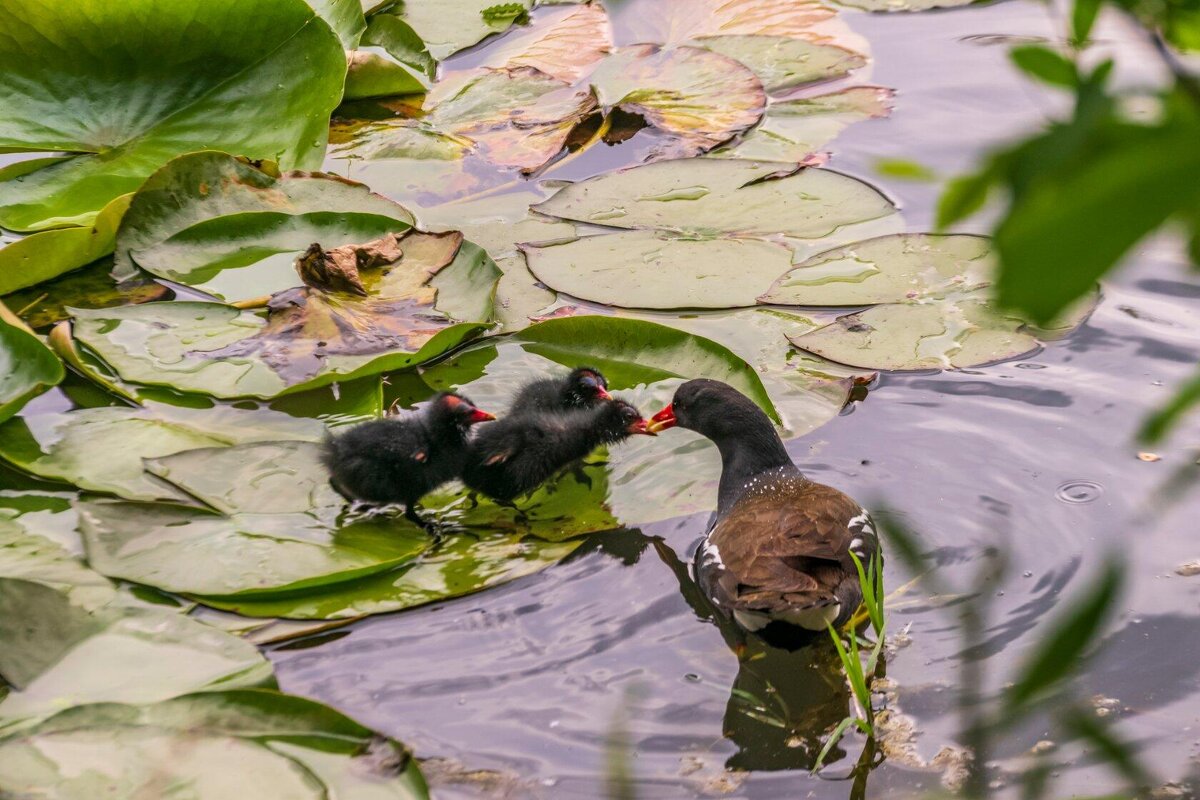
column 712, row 409
column 583, row 387
column 617, row 420
column 451, row 409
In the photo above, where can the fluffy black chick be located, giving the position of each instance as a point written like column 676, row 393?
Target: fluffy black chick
column 392, row 460
column 582, row 387
column 519, row 453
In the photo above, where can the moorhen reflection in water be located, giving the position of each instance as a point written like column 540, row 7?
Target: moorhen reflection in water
column 779, row 551
column 524, row 450
column 583, row 387
column 399, row 460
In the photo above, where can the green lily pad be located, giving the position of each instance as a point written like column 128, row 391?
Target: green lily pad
column 69, row 655
column 447, row 26
column 793, row 130
column 48, row 254
column 460, row 564
column 889, row 269
column 91, row 287
column 33, row 547
column 281, row 527
column 783, row 63
column 255, row 79
column 650, row 269
column 206, row 212
column 373, row 75
column 695, row 99
column 344, row 16
column 960, row 333
column 102, row 449
column 223, row 744
column 27, row 367
column 388, row 31
column 436, row 296
column 564, row 43
column 713, row 197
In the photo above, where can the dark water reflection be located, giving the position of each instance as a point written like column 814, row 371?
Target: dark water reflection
column 527, row 680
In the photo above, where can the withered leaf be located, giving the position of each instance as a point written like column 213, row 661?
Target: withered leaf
column 337, row 270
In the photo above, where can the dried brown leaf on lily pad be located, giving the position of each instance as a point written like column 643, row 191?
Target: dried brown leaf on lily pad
column 337, row 269
column 436, row 295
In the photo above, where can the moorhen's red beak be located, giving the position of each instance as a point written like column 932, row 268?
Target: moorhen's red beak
column 479, row 415
column 662, row 420
column 642, row 427
column 602, row 393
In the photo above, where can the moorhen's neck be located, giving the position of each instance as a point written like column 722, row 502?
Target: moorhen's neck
column 754, row 451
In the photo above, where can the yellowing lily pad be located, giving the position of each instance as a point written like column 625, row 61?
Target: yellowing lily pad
column 678, row 21
column 438, row 294
column 695, row 99
column 447, row 26
column 888, row 269
column 564, row 43
column 783, row 63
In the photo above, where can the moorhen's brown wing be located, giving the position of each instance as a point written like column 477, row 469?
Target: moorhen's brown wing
column 782, row 553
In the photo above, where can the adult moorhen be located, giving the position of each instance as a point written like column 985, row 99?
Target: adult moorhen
column 583, row 387
column 521, row 452
column 392, row 460
column 779, row 549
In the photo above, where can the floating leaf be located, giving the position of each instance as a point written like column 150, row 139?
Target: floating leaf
column 308, row 338
column 110, row 654
column 163, row 79
column 650, row 269
column 711, row 197
column 32, row 548
column 344, row 16
column 42, row 256
column 792, row 130
column 783, row 63
column 91, row 287
column 563, row 43
column 238, row 743
column 373, row 75
column 695, row 99
column 207, row 212
column 677, row 21
column 904, row 5
column 387, row 30
column 906, row 336
column 102, row 449
column 888, row 269
column 27, row 367
column 447, row 26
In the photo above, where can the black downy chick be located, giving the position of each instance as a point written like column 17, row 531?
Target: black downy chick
column 583, row 387
column 388, row 461
column 519, row 453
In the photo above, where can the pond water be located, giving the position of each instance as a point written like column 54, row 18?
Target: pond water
column 516, row 692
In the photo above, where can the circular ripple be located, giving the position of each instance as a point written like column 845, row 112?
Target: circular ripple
column 1079, row 491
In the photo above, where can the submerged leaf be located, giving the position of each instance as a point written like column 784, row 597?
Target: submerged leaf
column 307, row 338
column 111, row 654
column 91, row 287
column 207, row 212
column 163, row 79
column 102, row 449
column 888, row 269
column 695, row 99
column 710, row 197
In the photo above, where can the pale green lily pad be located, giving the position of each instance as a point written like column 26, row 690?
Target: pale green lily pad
column 273, row 73
column 695, row 99
column 126, row 655
column 793, row 130
column 252, row 743
column 889, row 269
column 650, row 269
column 784, row 63
column 207, row 212
column 712, row 197
column 447, row 26
column 282, row 527
column 33, row 548
column 27, row 366
column 48, row 254
column 436, row 296
column 945, row 334
column 102, row 449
